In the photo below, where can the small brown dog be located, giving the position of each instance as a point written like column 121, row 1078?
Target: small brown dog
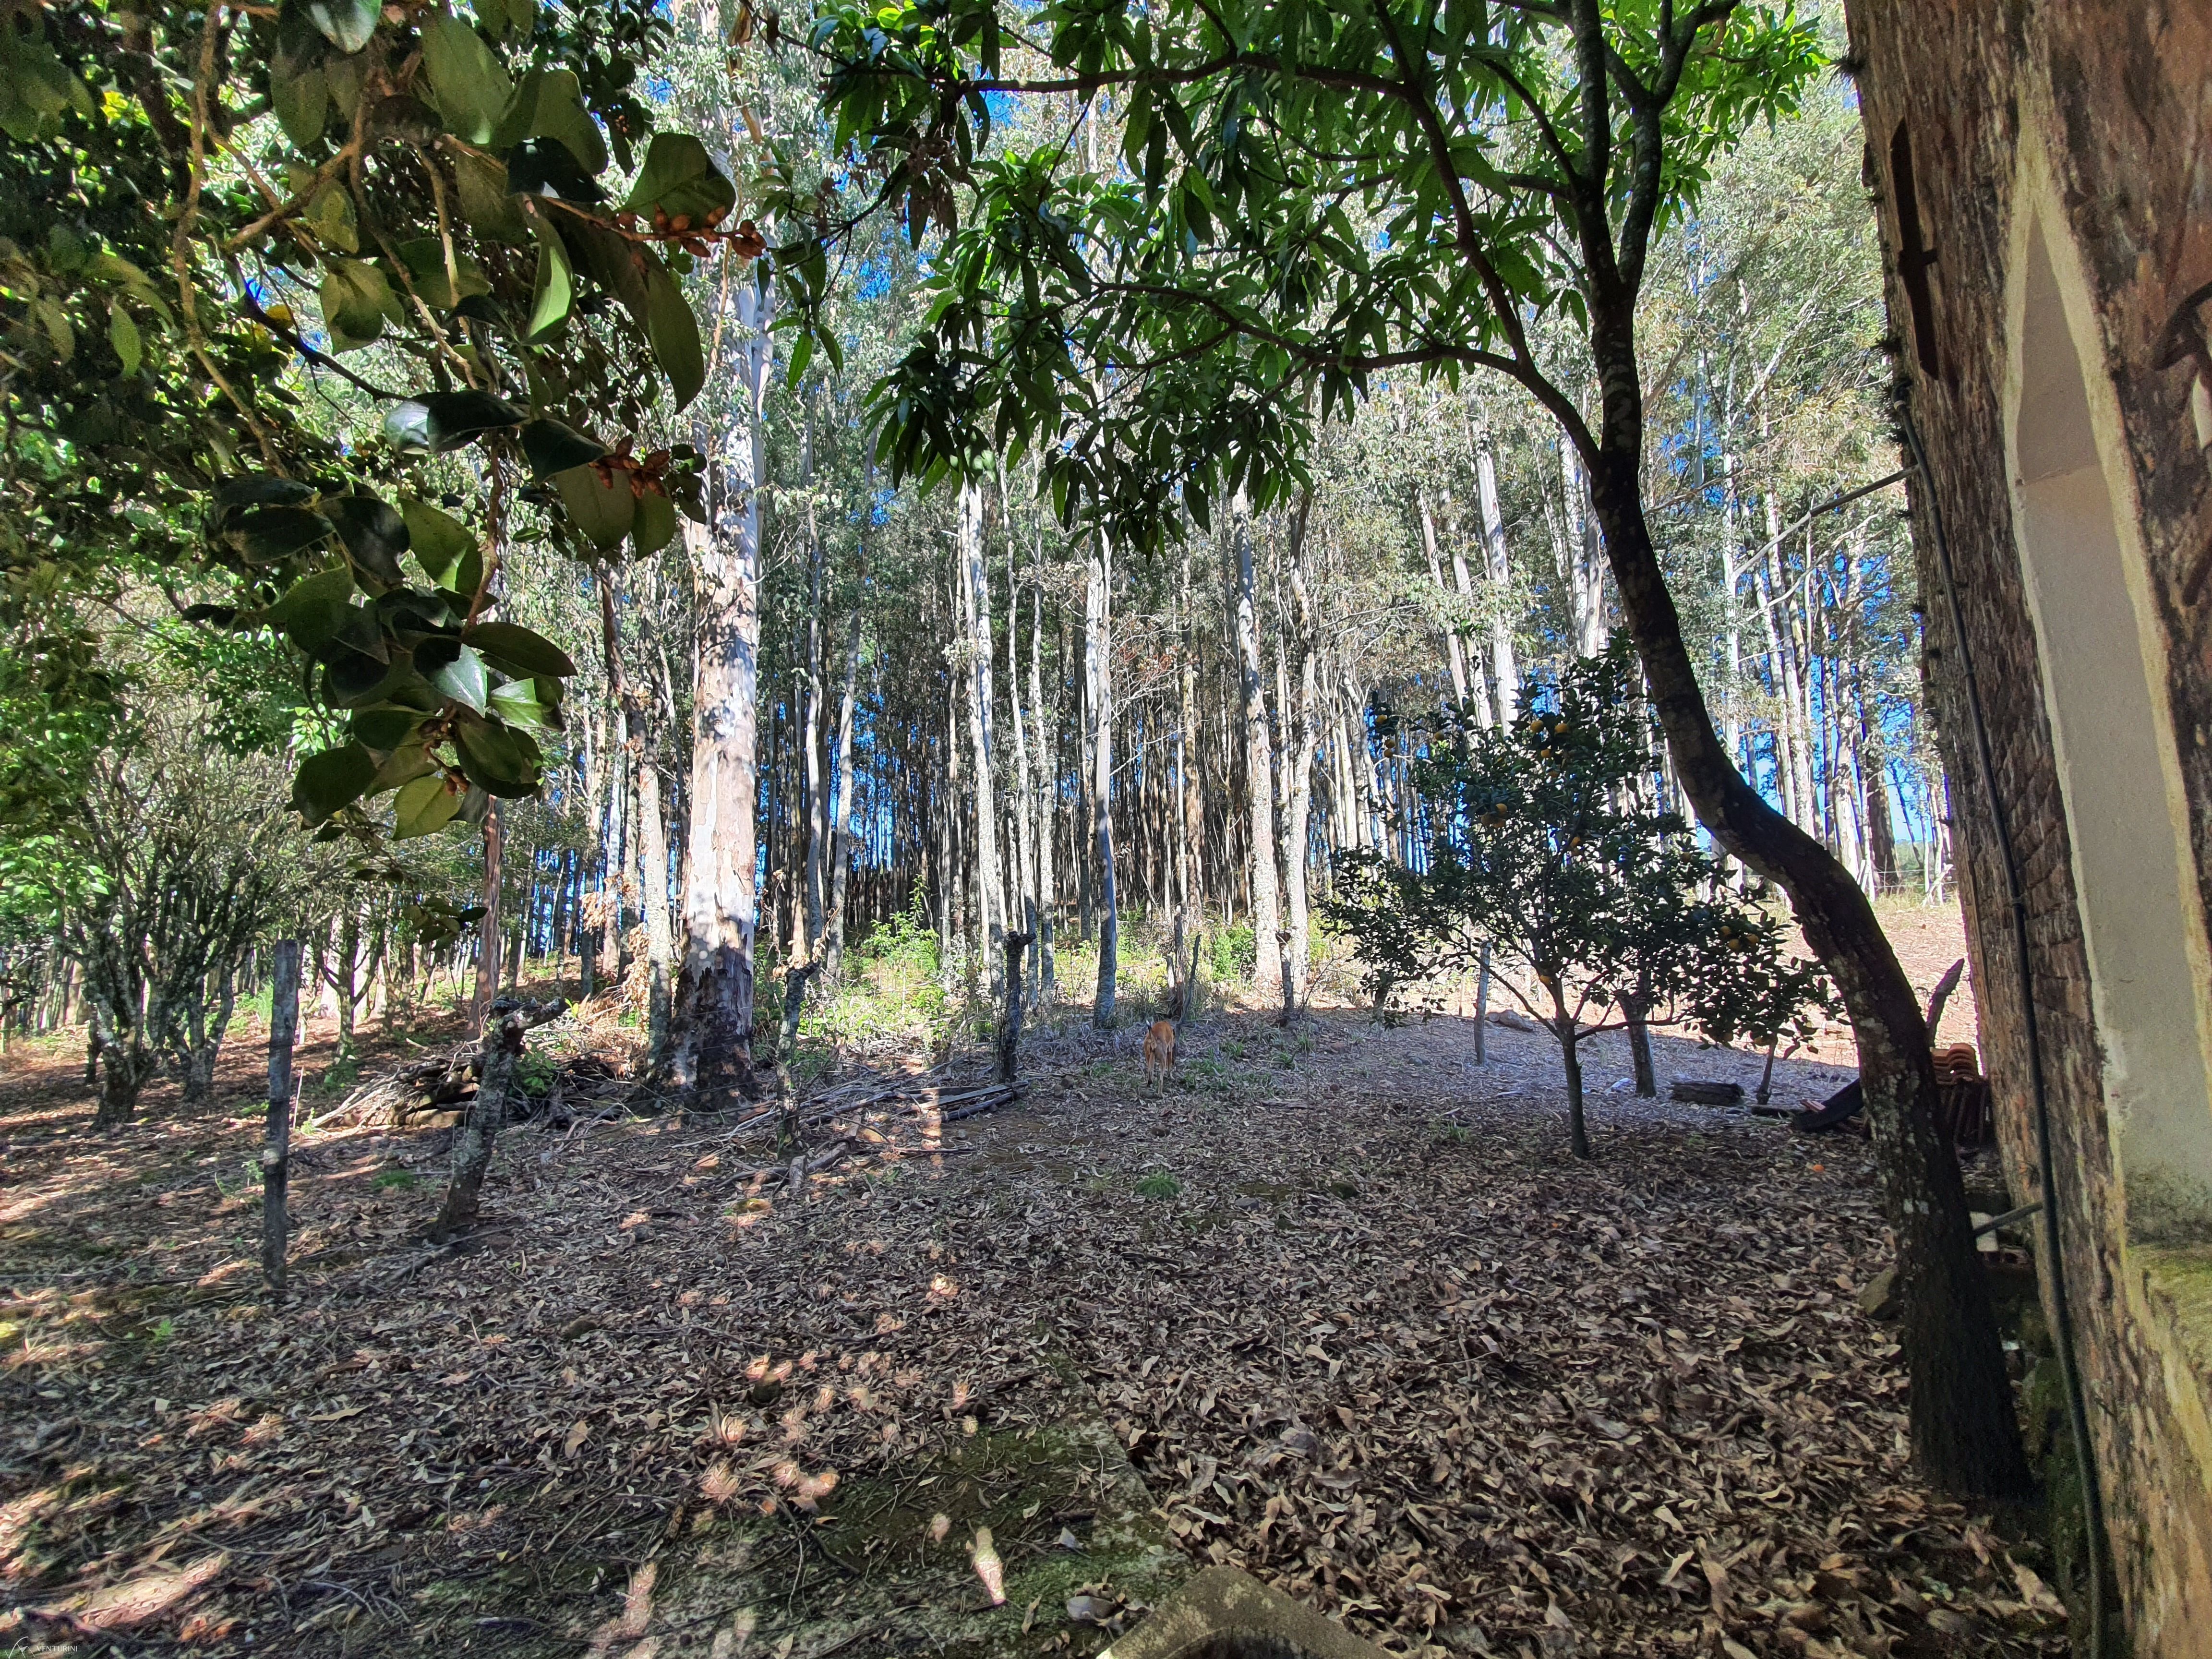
column 1159, row 1052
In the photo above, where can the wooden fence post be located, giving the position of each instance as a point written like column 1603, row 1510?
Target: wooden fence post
column 276, row 1144
column 1010, row 1026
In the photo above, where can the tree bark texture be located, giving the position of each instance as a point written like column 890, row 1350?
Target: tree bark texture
column 710, row 1049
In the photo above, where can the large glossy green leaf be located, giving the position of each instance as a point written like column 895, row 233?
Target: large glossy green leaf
column 655, row 525
column 553, row 294
column 332, row 781
column 486, row 202
column 422, row 806
column 674, row 333
column 517, row 650
column 331, row 218
column 346, row 24
column 440, row 421
column 356, row 301
column 468, row 84
column 505, row 18
column 374, row 535
column 550, row 446
column 680, row 181
column 522, row 702
column 609, row 261
column 604, row 511
column 549, row 104
column 386, row 726
column 493, row 759
column 297, row 89
column 404, row 765
column 445, row 547
column 269, row 534
column 313, row 609
column 259, row 490
column 454, row 671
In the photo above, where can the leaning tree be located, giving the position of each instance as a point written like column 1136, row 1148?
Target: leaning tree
column 1254, row 208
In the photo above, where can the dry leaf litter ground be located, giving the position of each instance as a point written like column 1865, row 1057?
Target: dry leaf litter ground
column 1338, row 1309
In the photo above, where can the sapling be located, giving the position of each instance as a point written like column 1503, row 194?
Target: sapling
column 1546, row 847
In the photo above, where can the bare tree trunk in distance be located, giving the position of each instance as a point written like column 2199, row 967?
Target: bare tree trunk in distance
column 660, row 938
column 975, row 617
column 1454, row 651
column 710, row 1048
column 1504, row 672
column 1298, row 795
column 1259, row 763
column 1098, row 710
column 1046, row 792
column 276, row 1144
column 840, row 809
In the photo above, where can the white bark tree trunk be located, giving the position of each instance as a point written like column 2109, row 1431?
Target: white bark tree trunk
column 1098, row 670
column 1498, row 568
column 976, row 615
column 711, row 1047
column 1258, row 767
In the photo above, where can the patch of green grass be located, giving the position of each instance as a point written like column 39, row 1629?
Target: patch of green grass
column 1158, row 1186
column 405, row 1180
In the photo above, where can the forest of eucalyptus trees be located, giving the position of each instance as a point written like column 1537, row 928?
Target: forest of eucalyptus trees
column 827, row 701
column 963, row 706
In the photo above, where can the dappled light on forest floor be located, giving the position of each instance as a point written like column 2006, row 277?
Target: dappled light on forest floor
column 1339, row 1309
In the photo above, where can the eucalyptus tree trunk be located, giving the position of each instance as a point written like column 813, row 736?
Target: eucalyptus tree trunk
column 975, row 585
column 1192, row 806
column 345, row 975
column 1024, row 882
column 1098, row 678
column 1455, row 653
column 840, row 813
column 1731, row 583
column 1498, row 568
column 1298, row 793
column 1045, row 804
column 1580, row 555
column 652, row 873
column 1259, row 768
column 710, row 1048
column 812, row 676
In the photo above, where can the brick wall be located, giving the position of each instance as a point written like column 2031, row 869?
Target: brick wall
column 2120, row 93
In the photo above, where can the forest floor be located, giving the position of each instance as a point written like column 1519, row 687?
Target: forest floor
column 1338, row 1309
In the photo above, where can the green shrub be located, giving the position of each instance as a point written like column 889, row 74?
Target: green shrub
column 1236, row 952
column 907, row 940
column 1158, row 1186
column 403, row 1179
